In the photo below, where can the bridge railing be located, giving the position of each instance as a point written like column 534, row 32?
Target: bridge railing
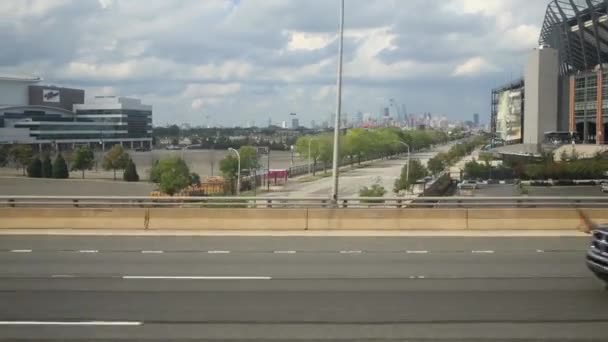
column 410, row 202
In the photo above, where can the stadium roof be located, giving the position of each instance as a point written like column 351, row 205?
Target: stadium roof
column 579, row 30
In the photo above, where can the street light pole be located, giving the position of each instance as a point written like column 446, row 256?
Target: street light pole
column 336, row 152
column 407, row 172
column 238, row 174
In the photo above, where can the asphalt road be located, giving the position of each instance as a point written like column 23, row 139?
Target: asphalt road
column 285, row 289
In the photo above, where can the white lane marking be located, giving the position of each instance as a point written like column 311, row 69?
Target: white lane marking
column 152, row 252
column 417, row 277
column 482, row 252
column 417, row 252
column 351, row 252
column 219, row 252
column 131, row 277
column 62, row 276
column 284, row 252
column 21, row 251
column 89, row 251
column 540, row 251
column 82, row 323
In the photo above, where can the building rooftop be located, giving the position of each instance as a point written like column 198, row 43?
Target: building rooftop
column 20, row 78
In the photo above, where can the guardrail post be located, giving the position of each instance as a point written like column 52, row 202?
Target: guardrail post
column 345, row 204
column 324, row 204
column 399, row 204
column 75, row 203
column 269, row 204
column 11, row 203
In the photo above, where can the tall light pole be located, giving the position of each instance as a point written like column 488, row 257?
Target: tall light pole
column 407, row 172
column 336, row 161
column 238, row 172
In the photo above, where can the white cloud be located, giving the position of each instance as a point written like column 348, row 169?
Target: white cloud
column 211, row 90
column 309, row 41
column 474, row 67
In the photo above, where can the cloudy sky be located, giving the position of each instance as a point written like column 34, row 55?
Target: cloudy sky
column 233, row 61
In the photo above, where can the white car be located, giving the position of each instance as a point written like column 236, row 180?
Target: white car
column 604, row 187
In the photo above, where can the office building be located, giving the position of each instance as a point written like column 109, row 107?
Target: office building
column 60, row 118
column 476, row 119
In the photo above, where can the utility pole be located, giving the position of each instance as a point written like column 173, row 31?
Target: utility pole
column 336, row 152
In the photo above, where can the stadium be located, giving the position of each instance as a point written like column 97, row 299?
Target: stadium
column 564, row 93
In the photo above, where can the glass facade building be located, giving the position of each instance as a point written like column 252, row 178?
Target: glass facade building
column 105, row 120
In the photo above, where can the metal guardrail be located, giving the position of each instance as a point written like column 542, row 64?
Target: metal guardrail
column 303, row 202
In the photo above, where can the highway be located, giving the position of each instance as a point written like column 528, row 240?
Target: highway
column 56, row 288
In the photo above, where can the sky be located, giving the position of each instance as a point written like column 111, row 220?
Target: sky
column 229, row 62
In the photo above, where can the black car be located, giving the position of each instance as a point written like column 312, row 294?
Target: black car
column 597, row 255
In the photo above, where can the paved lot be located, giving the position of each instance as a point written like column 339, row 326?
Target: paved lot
column 199, row 161
column 22, row 186
column 283, row 289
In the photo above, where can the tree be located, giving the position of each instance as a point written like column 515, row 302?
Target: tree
column 60, row 168
column 84, row 160
column 195, row 179
column 116, row 159
column 47, row 167
column 130, row 174
column 230, row 164
column 416, row 171
column 302, row 147
column 326, row 150
column 249, row 158
column 172, row 175
column 34, row 170
column 437, row 164
column 21, row 155
column 4, row 156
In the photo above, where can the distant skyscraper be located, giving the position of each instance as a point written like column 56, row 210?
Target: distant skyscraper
column 313, row 124
column 359, row 118
column 476, row 119
column 387, row 113
column 284, row 124
column 295, row 123
column 269, row 122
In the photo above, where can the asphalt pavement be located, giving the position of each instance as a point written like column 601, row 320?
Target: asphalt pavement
column 298, row 288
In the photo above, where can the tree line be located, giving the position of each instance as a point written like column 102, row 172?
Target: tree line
column 40, row 165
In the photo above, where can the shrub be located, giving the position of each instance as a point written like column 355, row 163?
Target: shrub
column 34, row 170
column 60, row 168
column 47, row 167
column 130, row 174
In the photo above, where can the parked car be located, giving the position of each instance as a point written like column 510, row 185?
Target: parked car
column 143, row 149
column 468, row 184
column 604, row 187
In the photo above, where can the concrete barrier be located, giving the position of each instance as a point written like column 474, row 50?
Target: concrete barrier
column 228, row 219
column 523, row 219
column 296, row 219
column 71, row 218
column 386, row 219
